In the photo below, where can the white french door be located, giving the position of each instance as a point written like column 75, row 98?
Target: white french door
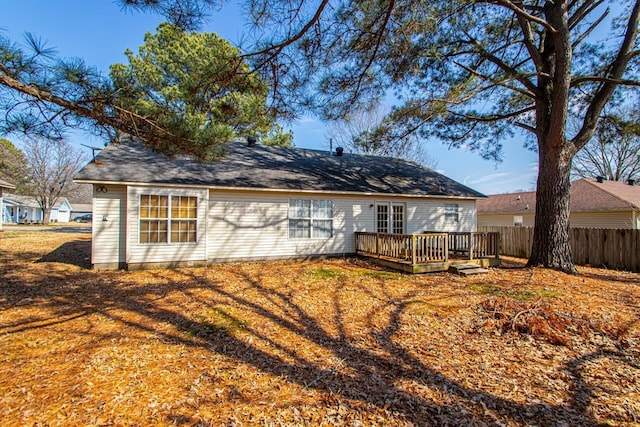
column 390, row 217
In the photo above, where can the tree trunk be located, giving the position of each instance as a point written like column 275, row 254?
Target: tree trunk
column 46, row 215
column 551, row 247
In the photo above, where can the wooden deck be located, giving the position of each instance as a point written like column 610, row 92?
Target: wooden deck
column 429, row 252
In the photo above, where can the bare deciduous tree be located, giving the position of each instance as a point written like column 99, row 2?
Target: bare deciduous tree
column 52, row 167
column 360, row 132
column 614, row 150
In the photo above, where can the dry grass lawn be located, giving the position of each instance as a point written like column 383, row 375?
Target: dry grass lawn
column 336, row 342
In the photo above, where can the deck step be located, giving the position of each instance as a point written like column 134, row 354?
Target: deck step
column 467, row 269
column 472, row 271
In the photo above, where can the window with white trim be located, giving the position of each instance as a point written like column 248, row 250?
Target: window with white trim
column 518, row 221
column 310, row 219
column 168, row 219
column 382, row 218
column 451, row 212
column 398, row 219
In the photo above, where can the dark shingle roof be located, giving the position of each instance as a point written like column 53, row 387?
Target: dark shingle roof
column 81, row 207
column 586, row 195
column 266, row 167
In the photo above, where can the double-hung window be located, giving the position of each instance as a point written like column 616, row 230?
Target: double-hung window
column 168, row 219
column 184, row 214
column 310, row 219
column 451, row 212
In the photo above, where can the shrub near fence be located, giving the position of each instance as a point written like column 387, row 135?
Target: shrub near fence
column 616, row 249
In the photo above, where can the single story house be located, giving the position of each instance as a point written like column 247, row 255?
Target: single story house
column 4, row 185
column 80, row 209
column 259, row 202
column 18, row 209
column 595, row 203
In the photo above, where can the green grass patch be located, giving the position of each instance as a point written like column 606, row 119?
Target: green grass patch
column 319, row 274
column 518, row 294
column 215, row 323
column 419, row 307
column 382, row 275
column 487, row 289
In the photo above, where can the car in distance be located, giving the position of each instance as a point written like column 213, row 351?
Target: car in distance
column 84, row 218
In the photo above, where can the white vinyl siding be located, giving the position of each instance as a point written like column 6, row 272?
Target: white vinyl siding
column 255, row 225
column 504, row 220
column 601, row 220
column 429, row 215
column 172, row 251
column 108, row 240
column 623, row 219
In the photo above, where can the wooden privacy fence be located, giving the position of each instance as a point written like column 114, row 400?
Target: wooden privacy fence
column 611, row 248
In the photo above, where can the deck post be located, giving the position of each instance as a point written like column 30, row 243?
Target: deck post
column 377, row 244
column 446, row 247
column 496, row 245
column 413, row 249
column 470, row 246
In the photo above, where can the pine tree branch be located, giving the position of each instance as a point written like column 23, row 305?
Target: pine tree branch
column 617, row 69
column 522, row 13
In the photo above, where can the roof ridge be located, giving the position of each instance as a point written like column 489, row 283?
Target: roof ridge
column 317, row 150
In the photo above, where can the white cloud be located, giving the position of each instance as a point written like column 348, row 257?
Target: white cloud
column 501, row 182
column 470, row 180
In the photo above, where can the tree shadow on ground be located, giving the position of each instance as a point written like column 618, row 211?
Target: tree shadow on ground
column 372, row 365
column 76, row 252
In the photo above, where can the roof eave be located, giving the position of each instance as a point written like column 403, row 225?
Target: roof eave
column 275, row 190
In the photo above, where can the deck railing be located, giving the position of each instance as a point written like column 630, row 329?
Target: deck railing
column 475, row 244
column 428, row 247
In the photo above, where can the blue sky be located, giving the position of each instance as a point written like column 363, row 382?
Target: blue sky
column 98, row 31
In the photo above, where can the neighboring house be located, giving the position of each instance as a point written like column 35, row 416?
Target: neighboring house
column 80, row 209
column 61, row 211
column 259, row 202
column 17, row 209
column 4, row 185
column 594, row 204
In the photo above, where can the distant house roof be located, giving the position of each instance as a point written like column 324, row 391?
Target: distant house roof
column 275, row 168
column 29, row 201
column 81, row 207
column 21, row 200
column 586, row 195
column 5, row 184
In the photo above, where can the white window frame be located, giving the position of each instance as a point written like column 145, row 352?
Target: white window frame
column 169, row 219
column 518, row 220
column 313, row 216
column 451, row 217
column 391, row 217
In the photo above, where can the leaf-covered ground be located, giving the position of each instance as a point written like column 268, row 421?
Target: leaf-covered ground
column 335, row 342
